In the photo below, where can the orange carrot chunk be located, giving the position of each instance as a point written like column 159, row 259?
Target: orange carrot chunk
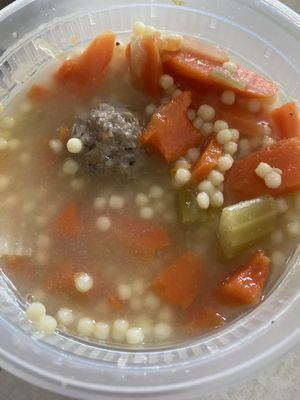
column 38, row 94
column 202, row 318
column 179, row 283
column 244, row 287
column 89, row 69
column 16, row 262
column 188, row 65
column 63, row 134
column 115, row 302
column 170, row 132
column 242, row 182
column 67, row 222
column 145, row 64
column 141, row 238
column 246, row 122
column 286, row 119
column 61, row 279
column 208, row 160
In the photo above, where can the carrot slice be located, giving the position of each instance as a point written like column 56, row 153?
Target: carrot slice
column 286, row 119
column 207, row 161
column 179, row 283
column 38, row 94
column 170, row 132
column 63, row 134
column 115, row 302
column 61, row 279
column 16, row 262
column 247, row 123
column 89, row 69
column 203, row 318
column 67, row 222
column 244, row 287
column 242, row 182
column 141, row 238
column 203, row 49
column 203, row 70
column 145, row 64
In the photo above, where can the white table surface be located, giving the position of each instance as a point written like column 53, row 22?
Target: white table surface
column 279, row 382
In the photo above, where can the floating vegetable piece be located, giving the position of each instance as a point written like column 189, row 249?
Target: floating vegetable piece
column 189, row 209
column 287, row 121
column 170, row 132
column 242, row 182
column 145, row 64
column 244, row 287
column 207, row 161
column 201, row 70
column 179, row 283
column 244, row 224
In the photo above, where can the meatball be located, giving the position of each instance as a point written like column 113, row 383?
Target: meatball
column 110, row 137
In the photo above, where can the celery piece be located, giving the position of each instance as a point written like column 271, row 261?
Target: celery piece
column 243, row 224
column 224, row 77
column 188, row 207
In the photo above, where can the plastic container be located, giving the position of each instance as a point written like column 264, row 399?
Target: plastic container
column 266, row 35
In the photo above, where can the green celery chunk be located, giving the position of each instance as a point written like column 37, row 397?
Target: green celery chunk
column 188, row 207
column 243, row 224
column 222, row 76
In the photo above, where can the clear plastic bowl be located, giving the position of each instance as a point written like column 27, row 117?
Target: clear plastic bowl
column 262, row 33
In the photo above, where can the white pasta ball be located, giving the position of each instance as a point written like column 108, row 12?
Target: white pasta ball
column 225, row 163
column 103, row 224
column 263, row 169
column 35, row 311
column 85, row 326
column 65, row 316
column 146, row 213
column 182, row 176
column 206, row 112
column 124, row 291
column 273, row 180
column 74, row 145
column 83, row 282
column 216, row 177
column 116, row 202
column 100, row 203
column 156, row 192
column 135, row 335
column 101, row 330
column 217, row 199
column 230, row 147
column 228, row 97
column 70, row 167
column 119, row 329
column 141, row 199
column 203, row 200
column 150, row 109
column 224, row 136
column 55, row 145
column 151, row 301
column 166, row 82
column 162, row 331
column 138, row 287
column 47, row 324
column 220, row 125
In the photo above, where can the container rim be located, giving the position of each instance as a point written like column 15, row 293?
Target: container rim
column 282, row 336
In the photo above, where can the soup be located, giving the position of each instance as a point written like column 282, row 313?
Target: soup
column 149, row 190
